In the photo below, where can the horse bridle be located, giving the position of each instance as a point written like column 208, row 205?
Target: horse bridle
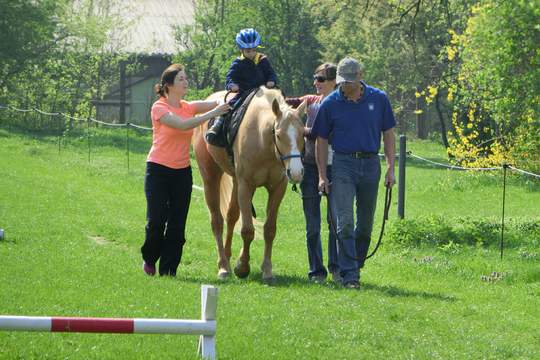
column 281, row 156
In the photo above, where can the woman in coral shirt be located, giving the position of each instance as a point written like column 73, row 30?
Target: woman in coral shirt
column 168, row 180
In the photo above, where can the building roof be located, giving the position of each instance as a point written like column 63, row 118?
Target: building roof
column 147, row 26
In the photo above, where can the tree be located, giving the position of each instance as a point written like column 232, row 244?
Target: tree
column 60, row 61
column 28, row 30
column 288, row 38
column 497, row 87
column 400, row 44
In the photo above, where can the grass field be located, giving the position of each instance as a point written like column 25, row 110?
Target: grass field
column 74, row 229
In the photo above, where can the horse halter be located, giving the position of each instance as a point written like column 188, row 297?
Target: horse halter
column 281, row 156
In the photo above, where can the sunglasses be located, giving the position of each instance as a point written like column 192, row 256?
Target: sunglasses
column 319, row 78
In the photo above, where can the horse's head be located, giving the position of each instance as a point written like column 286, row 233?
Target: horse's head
column 289, row 139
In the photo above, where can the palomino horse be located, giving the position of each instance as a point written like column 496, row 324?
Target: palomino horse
column 267, row 152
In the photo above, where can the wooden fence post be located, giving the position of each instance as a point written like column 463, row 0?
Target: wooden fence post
column 401, row 175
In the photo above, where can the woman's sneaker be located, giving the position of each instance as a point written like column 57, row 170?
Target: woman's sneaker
column 318, row 279
column 149, row 269
column 336, row 277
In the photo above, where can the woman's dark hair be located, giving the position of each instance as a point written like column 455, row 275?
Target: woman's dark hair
column 167, row 78
column 329, row 70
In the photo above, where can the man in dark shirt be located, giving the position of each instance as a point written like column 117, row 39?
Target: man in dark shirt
column 355, row 117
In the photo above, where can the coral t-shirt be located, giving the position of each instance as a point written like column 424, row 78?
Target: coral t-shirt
column 170, row 146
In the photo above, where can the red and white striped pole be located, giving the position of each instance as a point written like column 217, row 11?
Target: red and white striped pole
column 206, row 327
column 106, row 325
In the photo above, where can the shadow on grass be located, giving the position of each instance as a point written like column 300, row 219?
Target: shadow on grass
column 388, row 290
column 302, row 282
column 254, row 277
column 394, row 291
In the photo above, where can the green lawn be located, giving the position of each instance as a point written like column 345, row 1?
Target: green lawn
column 74, row 229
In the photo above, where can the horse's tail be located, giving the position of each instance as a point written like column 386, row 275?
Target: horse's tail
column 225, row 193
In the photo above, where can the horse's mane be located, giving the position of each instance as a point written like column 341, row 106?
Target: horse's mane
column 272, row 94
column 275, row 94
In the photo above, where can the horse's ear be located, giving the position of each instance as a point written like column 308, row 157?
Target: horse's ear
column 300, row 110
column 276, row 109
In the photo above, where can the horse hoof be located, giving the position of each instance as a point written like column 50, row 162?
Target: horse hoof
column 241, row 273
column 223, row 275
column 269, row 281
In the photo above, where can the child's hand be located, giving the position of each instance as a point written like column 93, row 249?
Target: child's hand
column 234, row 88
column 270, row 84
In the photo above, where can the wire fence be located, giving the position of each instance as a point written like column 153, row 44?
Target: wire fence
column 144, row 128
column 451, row 167
column 504, row 168
column 454, row 167
column 79, row 119
column 88, row 121
column 128, row 125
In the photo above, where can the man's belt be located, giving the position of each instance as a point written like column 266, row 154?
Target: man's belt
column 361, row 154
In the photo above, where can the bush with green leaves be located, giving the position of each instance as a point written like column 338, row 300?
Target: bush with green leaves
column 442, row 231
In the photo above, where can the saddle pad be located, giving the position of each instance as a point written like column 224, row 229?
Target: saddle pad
column 237, row 116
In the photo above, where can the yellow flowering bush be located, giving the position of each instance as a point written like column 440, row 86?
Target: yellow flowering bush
column 492, row 84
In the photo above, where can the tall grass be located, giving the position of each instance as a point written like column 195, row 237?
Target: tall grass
column 74, row 229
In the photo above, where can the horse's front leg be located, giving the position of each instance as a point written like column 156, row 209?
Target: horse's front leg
column 245, row 195
column 211, row 175
column 275, row 195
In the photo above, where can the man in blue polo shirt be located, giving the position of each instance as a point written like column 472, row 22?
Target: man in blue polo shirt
column 354, row 118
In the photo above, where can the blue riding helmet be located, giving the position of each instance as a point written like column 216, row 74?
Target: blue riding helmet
column 248, row 38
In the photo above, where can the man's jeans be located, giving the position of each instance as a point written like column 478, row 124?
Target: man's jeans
column 354, row 179
column 311, row 202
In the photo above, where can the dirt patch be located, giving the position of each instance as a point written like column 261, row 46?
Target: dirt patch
column 100, row 240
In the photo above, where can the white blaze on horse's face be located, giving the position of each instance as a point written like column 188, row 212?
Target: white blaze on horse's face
column 289, row 140
column 295, row 168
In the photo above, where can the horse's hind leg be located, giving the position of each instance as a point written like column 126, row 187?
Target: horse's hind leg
column 275, row 196
column 245, row 195
column 212, row 200
column 233, row 213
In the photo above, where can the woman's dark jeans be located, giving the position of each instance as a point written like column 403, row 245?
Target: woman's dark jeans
column 168, row 194
column 311, row 201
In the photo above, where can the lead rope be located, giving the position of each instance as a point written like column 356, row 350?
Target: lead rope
column 387, row 203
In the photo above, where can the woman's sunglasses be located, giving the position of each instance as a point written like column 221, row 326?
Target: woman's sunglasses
column 319, row 78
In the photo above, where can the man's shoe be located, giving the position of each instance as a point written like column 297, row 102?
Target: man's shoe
column 353, row 284
column 149, row 269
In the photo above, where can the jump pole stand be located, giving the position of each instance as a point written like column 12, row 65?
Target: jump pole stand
column 205, row 328
column 207, row 343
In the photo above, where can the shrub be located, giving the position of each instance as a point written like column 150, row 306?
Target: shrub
column 445, row 232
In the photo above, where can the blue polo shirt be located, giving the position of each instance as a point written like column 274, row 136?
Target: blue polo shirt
column 354, row 126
